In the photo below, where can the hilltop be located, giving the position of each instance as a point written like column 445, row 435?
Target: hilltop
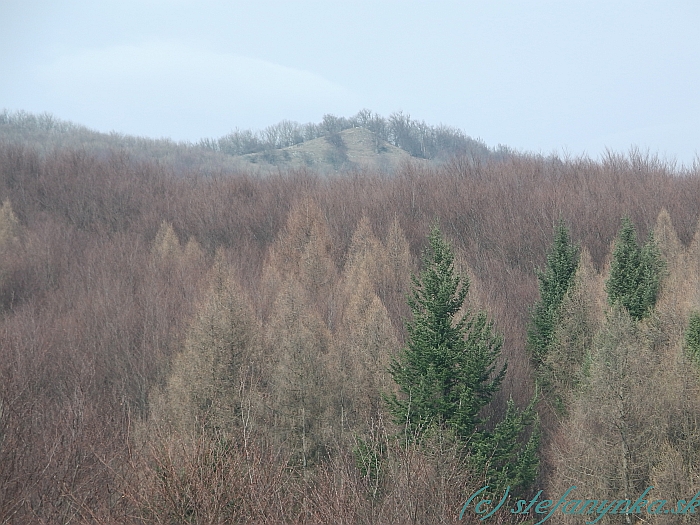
column 365, row 141
column 348, row 150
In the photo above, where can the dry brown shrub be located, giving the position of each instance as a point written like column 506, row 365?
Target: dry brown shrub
column 213, row 478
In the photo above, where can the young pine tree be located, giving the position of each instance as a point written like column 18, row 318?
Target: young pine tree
column 447, row 373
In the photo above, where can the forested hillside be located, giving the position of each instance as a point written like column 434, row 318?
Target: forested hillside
column 180, row 345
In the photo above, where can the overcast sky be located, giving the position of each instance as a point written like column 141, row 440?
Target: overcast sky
column 562, row 76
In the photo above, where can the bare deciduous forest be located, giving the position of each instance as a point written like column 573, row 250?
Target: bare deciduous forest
column 180, row 347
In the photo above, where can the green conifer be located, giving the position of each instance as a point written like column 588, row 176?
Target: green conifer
column 555, row 281
column 635, row 273
column 447, row 373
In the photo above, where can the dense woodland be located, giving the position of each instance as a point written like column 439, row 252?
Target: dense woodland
column 180, row 347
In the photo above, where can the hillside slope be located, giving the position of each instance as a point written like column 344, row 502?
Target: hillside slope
column 348, row 150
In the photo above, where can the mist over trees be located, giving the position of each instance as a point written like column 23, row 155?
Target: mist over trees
column 187, row 347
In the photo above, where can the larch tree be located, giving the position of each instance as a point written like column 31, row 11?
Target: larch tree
column 302, row 252
column 365, row 338
column 366, row 253
column 633, row 422
column 166, row 244
column 396, row 275
column 9, row 226
column 360, row 357
column 204, row 388
column 601, row 446
column 298, row 285
column 298, row 342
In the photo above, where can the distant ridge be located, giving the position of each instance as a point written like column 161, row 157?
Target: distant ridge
column 365, row 141
column 349, row 150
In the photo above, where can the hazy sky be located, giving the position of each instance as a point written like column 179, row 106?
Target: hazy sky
column 544, row 76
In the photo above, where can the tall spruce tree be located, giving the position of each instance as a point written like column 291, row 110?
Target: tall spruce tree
column 555, row 281
column 447, row 373
column 635, row 272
